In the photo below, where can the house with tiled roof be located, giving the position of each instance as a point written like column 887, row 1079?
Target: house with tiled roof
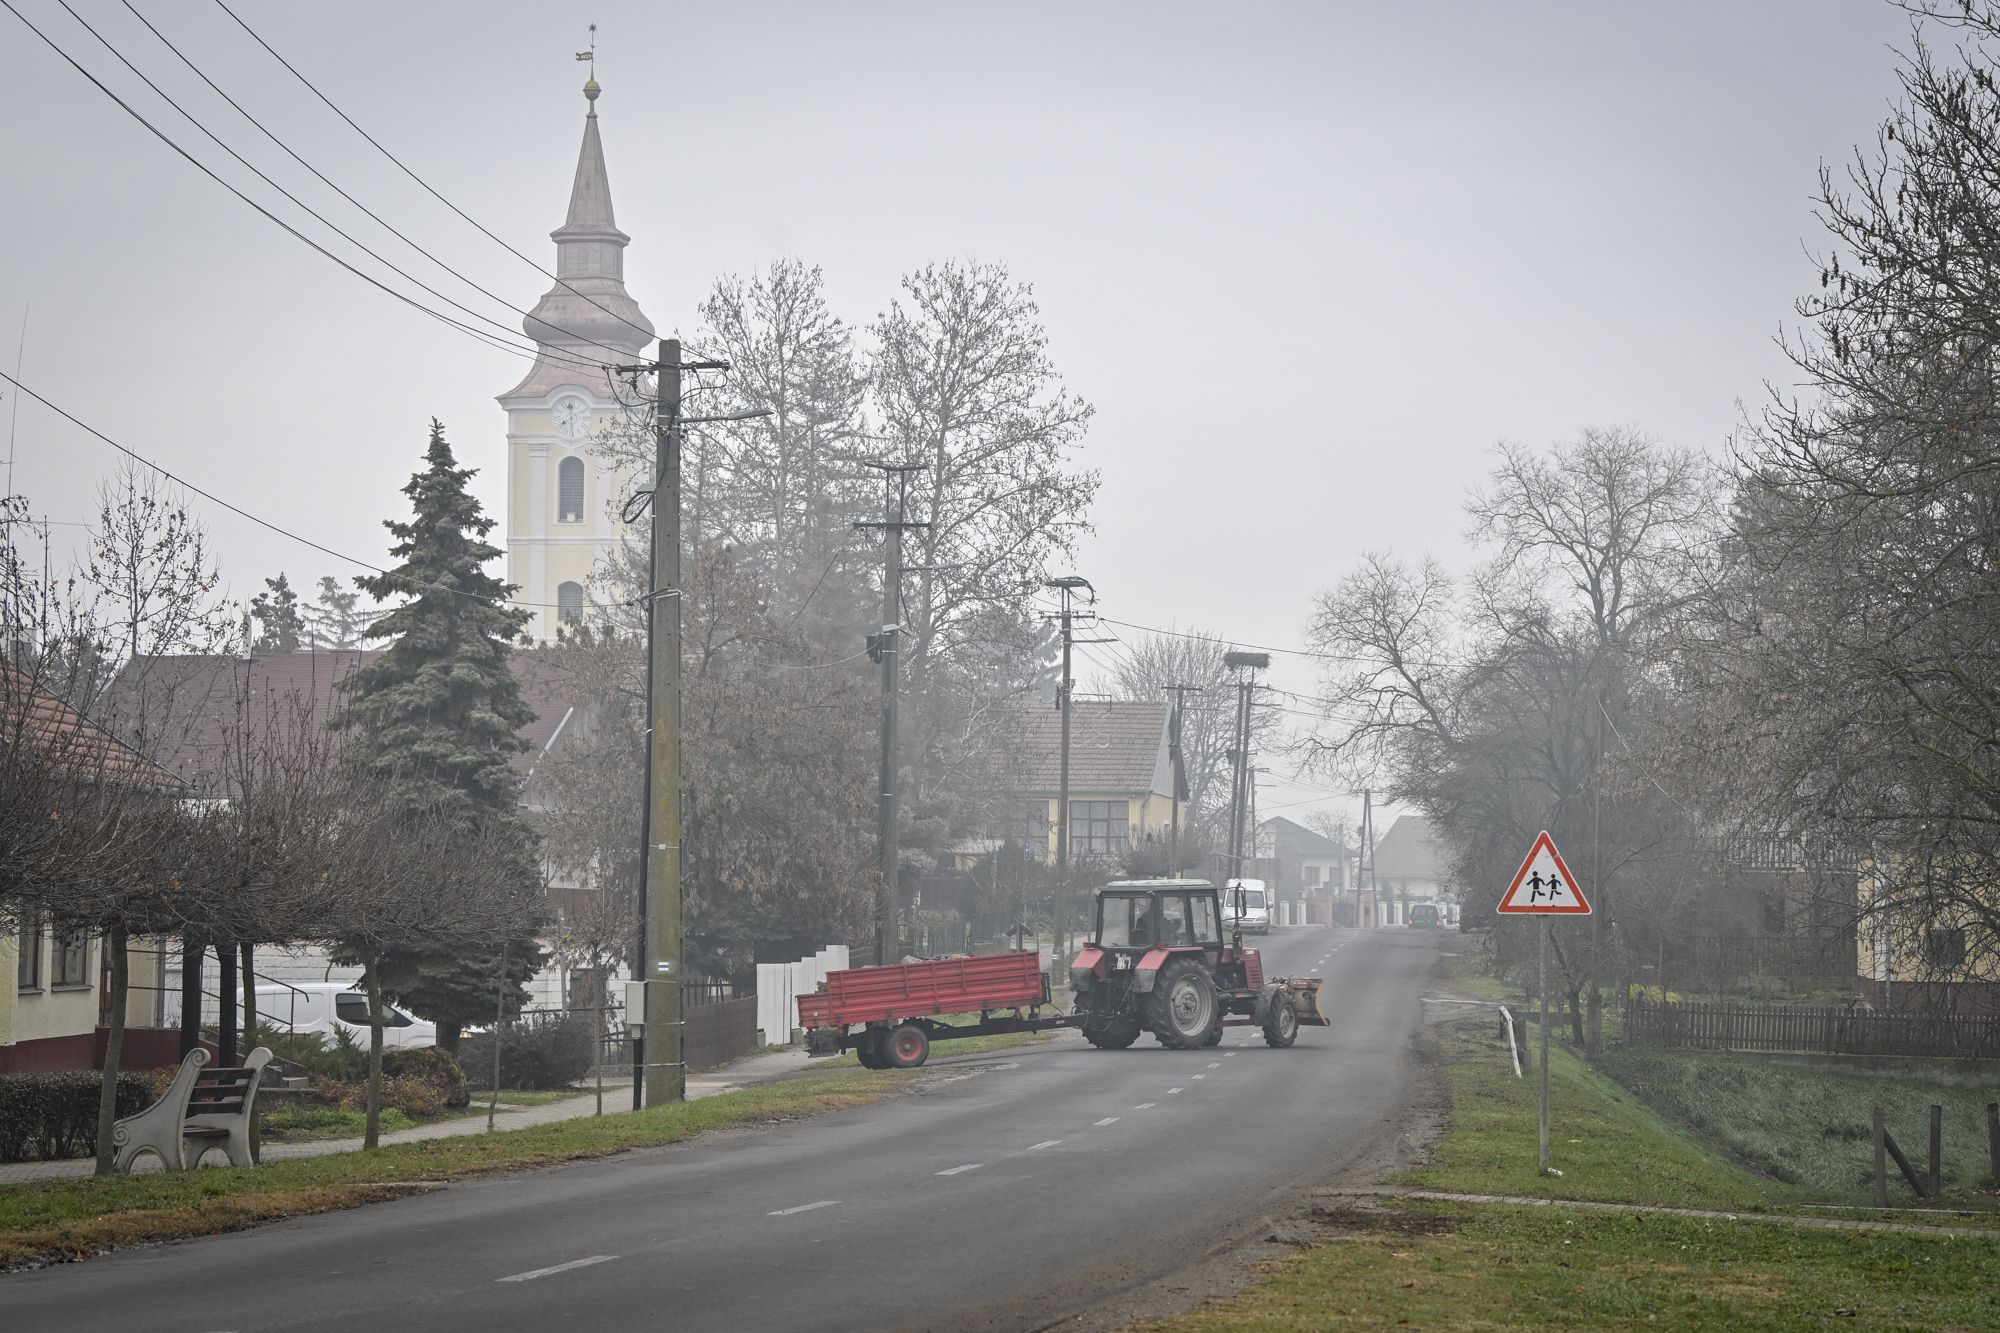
column 1122, row 777
column 1409, row 867
column 52, row 1016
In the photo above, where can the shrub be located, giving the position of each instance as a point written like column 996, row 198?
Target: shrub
column 538, row 1055
column 416, row 1097
column 55, row 1115
column 432, row 1065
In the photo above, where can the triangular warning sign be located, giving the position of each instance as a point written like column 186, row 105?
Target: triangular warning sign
column 1543, row 885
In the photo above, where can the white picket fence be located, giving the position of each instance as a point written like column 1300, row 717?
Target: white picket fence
column 780, row 984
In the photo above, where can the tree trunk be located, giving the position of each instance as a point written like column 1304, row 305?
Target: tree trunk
column 114, row 1045
column 249, row 995
column 193, row 956
column 448, row 1037
column 1576, row 1016
column 499, row 1017
column 371, row 979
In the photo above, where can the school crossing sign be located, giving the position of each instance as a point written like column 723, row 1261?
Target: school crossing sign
column 1543, row 886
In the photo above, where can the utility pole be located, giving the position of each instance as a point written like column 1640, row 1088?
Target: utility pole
column 1180, row 693
column 882, row 648
column 1253, row 662
column 664, row 1072
column 659, row 1074
column 1066, row 587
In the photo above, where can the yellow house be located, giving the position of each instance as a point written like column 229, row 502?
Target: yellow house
column 1914, row 950
column 1121, row 778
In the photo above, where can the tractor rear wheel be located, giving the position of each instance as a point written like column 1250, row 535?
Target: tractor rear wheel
column 907, row 1047
column 1214, row 1037
column 1281, row 1025
column 1182, row 1007
column 1113, row 1036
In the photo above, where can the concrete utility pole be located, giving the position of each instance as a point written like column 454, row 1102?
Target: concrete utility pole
column 1066, row 586
column 882, row 647
column 663, row 1070
column 1253, row 662
column 659, row 1074
column 1180, row 693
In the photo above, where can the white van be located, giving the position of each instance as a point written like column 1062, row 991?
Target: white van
column 327, row 1007
column 1246, row 906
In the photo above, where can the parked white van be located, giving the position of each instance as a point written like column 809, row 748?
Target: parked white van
column 328, row 1007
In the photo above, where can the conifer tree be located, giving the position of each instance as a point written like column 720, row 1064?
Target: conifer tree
column 334, row 619
column 280, row 628
column 438, row 716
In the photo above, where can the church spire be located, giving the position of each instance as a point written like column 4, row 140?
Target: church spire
column 589, row 304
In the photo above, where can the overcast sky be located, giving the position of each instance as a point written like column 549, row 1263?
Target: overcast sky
column 1310, row 261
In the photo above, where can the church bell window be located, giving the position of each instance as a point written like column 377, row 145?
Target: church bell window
column 569, row 490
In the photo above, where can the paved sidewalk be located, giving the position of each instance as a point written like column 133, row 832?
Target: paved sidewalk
column 747, row 1072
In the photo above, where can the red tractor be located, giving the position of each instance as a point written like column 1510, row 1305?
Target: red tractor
column 1157, row 961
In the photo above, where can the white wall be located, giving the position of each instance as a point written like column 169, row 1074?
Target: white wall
column 780, row 984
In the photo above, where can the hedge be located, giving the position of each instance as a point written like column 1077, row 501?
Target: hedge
column 51, row 1116
column 538, row 1055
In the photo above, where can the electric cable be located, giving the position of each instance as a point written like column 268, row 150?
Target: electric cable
column 266, row 523
column 371, row 213
column 419, row 179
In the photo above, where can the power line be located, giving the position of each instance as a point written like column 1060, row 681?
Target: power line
column 1261, row 647
column 637, row 328
column 374, row 216
column 203, row 167
column 266, row 523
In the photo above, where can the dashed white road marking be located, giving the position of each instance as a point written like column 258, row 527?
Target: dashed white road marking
column 1045, row 1143
column 534, row 1273
column 1201, row 1076
column 969, row 1166
column 802, row 1208
column 1142, row 1106
column 1215, row 1064
column 1172, row 1091
column 1227, row 1054
column 1108, row 1120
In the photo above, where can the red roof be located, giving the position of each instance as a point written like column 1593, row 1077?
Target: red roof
column 32, row 715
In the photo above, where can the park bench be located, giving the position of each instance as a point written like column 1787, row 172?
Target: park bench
column 203, row 1108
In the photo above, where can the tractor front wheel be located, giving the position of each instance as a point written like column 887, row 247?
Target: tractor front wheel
column 907, row 1047
column 1281, row 1025
column 1182, row 1007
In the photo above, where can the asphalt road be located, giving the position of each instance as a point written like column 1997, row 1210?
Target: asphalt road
column 1042, row 1180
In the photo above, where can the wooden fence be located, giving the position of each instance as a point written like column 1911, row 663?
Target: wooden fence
column 1809, row 1030
column 718, row 1033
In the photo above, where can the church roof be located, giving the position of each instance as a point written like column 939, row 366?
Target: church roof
column 587, row 315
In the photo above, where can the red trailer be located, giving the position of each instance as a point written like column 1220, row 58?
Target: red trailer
column 890, row 1015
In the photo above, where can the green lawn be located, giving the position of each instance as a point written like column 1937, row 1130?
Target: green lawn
column 55, row 1220
column 1490, row 1266
column 1812, row 1127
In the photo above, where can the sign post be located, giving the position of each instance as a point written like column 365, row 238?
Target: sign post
column 1543, row 887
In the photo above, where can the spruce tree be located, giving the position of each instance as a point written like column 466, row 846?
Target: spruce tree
column 438, row 716
column 334, row 620
column 280, row 627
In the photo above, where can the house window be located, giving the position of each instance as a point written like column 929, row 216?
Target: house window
column 1098, row 828
column 569, row 603
column 28, row 973
column 1035, row 831
column 1312, row 877
column 1944, row 946
column 71, row 960
column 569, row 490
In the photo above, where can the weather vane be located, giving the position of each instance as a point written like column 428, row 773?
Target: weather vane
column 591, row 54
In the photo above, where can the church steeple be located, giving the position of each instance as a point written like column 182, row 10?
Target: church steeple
column 589, row 304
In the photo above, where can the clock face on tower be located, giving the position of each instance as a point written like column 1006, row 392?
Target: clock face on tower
column 572, row 418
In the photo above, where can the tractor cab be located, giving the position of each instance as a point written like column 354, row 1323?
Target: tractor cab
column 1136, row 917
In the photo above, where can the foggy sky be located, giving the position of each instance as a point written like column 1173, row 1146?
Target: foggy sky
column 1309, row 261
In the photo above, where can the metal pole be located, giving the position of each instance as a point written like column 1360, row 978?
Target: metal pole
column 887, row 943
column 1542, row 986
column 1062, row 802
column 665, row 1076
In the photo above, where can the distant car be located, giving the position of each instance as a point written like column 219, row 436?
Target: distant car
column 328, row 1007
column 1424, row 916
column 1246, row 906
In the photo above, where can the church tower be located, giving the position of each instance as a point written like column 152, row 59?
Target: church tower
column 558, row 490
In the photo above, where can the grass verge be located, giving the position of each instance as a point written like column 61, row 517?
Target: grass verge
column 1815, row 1127
column 65, row 1220
column 1490, row 1266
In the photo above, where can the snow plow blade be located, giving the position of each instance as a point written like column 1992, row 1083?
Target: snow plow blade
column 1305, row 998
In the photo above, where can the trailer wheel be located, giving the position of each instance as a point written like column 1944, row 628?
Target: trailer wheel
column 907, row 1047
column 1281, row 1028
column 1114, row 1036
column 868, row 1050
column 1182, row 1007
